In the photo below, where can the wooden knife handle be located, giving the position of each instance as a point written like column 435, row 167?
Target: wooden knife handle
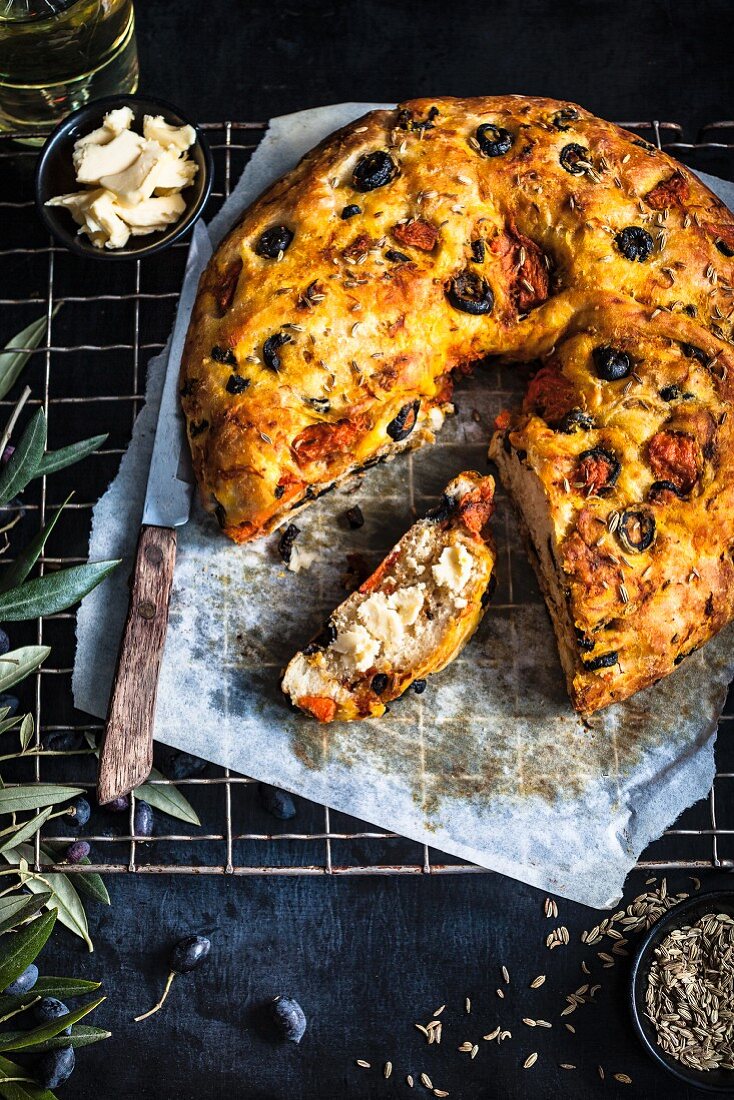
column 127, row 749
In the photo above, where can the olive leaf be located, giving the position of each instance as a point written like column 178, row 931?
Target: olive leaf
column 23, row 463
column 25, row 830
column 19, row 663
column 15, row 908
column 63, row 988
column 12, row 361
column 67, row 456
column 33, row 796
column 17, row 572
column 64, row 899
column 26, row 731
column 20, row 949
column 54, row 592
column 81, row 1036
column 166, row 798
column 16, row 1085
column 20, row 1040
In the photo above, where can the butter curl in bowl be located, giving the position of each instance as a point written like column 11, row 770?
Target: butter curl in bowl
column 123, row 177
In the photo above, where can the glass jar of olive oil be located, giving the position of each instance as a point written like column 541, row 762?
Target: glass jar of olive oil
column 56, row 55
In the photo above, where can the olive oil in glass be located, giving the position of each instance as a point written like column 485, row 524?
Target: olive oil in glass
column 56, row 55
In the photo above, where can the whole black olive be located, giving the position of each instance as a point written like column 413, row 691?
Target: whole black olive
column 379, row 683
column 349, row 211
column 396, row 257
column 271, row 347
column 570, row 157
column 562, row 118
column 658, row 489
column 671, row 393
column 724, row 248
column 288, row 1018
column 286, row 540
column 577, row 420
column 493, row 140
column 419, row 686
column 322, row 640
column 611, row 364
column 188, row 953
column 224, row 355
column 277, row 802
column 692, row 352
column 403, row 424
column 604, row 660
column 237, row 384
column 355, row 519
column 636, row 530
column 374, row 170
column 273, row 241
column 470, row 293
column 478, row 251
column 635, row 243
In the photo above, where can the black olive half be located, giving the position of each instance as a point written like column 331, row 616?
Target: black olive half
column 611, row 364
column 374, row 170
column 443, row 509
column 273, row 241
column 635, row 243
column 577, row 420
column 396, row 257
column 724, row 248
column 584, row 642
column 493, row 140
column 562, row 118
column 349, row 211
column 237, row 384
column 604, row 660
column 379, row 683
column 271, row 348
column 692, row 352
column 470, row 293
column 224, row 355
column 636, row 530
column 403, row 424
column 322, row 640
column 355, row 519
column 658, row 488
column 320, row 404
column 612, row 462
column 671, row 393
column 286, row 540
column 570, row 157
column 478, row 251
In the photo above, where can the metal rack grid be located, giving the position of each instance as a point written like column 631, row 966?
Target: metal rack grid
column 137, row 302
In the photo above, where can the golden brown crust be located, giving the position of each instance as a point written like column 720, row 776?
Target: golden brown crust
column 338, row 347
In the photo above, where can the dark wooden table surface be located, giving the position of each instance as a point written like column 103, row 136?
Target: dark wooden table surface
column 367, row 957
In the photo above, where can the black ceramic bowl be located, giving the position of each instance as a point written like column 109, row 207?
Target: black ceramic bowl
column 55, row 176
column 688, row 912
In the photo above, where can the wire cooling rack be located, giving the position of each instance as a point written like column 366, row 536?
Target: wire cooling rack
column 89, row 376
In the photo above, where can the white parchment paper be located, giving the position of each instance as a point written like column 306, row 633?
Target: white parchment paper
column 490, row 764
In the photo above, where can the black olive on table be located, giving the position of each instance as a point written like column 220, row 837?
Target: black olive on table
column 374, row 170
column 277, row 802
column 494, row 141
column 355, row 519
column 635, row 243
column 273, row 242
column 286, row 540
column 611, row 364
column 288, row 1019
column 470, row 293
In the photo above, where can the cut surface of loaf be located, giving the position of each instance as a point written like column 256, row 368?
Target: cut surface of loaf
column 409, row 619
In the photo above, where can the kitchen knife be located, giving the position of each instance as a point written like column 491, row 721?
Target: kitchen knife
column 126, row 756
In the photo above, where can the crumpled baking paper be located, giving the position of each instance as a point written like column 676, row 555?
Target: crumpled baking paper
column 490, row 764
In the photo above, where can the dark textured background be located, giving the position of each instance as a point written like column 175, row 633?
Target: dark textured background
column 367, row 957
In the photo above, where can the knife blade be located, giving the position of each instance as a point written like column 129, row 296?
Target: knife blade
column 126, row 755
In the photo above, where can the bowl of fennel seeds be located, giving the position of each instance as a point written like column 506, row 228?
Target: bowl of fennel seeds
column 682, row 991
